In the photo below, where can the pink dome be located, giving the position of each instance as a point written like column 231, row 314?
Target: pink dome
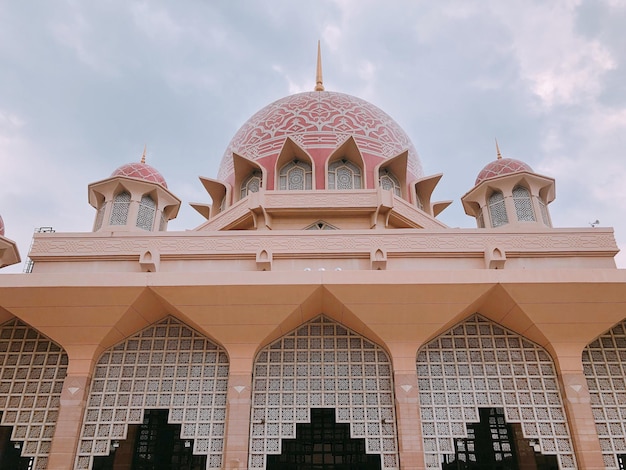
column 1, row 227
column 140, row 171
column 319, row 120
column 501, row 167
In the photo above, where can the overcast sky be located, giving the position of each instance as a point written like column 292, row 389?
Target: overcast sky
column 84, row 85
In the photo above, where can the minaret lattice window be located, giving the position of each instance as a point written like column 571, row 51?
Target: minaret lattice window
column 295, row 175
column 497, row 209
column 145, row 216
column 119, row 212
column 523, row 204
column 344, row 174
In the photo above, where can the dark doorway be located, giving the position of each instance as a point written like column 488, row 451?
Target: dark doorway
column 494, row 444
column 152, row 445
column 11, row 452
column 323, row 445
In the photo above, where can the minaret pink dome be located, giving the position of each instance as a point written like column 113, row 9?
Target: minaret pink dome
column 142, row 171
column 501, row 167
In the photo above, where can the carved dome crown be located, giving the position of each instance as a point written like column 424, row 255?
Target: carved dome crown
column 319, row 121
column 140, row 171
column 501, row 167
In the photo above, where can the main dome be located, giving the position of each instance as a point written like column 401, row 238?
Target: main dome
column 319, row 120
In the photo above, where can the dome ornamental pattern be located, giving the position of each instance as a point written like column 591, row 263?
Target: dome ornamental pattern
column 501, row 167
column 140, row 171
column 319, row 119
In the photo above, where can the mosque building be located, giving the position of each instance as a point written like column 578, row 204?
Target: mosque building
column 321, row 317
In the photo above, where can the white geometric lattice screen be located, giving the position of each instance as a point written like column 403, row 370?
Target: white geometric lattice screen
column 323, row 365
column 604, row 365
column 480, row 364
column 32, row 370
column 166, row 366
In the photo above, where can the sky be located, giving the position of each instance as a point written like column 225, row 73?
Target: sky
column 85, row 85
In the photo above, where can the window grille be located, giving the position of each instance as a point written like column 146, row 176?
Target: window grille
column 167, row 366
column 322, row 365
column 604, row 366
column 388, row 181
column 343, row 174
column 497, row 210
column 119, row 212
column 99, row 218
column 145, row 215
column 544, row 213
column 479, row 364
column 32, row 370
column 252, row 184
column 523, row 204
column 295, row 175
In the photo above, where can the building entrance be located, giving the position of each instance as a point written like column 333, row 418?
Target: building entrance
column 323, row 444
column 152, row 445
column 494, row 444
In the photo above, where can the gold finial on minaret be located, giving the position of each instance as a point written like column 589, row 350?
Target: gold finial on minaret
column 143, row 155
column 498, row 150
column 319, row 83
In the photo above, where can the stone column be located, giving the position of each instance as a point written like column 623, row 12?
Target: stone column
column 69, row 422
column 577, row 403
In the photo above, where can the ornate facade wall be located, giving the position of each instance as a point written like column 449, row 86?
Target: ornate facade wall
column 166, row 366
column 32, row 370
column 323, row 365
column 481, row 364
column 604, row 365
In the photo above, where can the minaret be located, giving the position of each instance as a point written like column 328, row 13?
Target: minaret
column 507, row 192
column 134, row 198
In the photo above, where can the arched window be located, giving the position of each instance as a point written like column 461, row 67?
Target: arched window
column 523, row 204
column 497, row 210
column 145, row 216
column 295, row 175
column 343, row 174
column 251, row 184
column 388, row 181
column 119, row 212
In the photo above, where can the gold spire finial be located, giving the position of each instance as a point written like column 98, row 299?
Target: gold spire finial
column 498, row 150
column 319, row 83
column 143, row 155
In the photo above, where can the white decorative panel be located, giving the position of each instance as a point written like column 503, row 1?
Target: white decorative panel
column 479, row 364
column 604, row 366
column 323, row 365
column 166, row 366
column 32, row 370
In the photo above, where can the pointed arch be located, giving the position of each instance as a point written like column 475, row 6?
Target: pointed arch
column 322, row 364
column 480, row 364
column 249, row 176
column 121, row 205
column 345, row 167
column 604, row 366
column 168, row 366
column 295, row 169
column 32, row 371
column 392, row 174
column 497, row 209
column 523, row 204
column 146, row 213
